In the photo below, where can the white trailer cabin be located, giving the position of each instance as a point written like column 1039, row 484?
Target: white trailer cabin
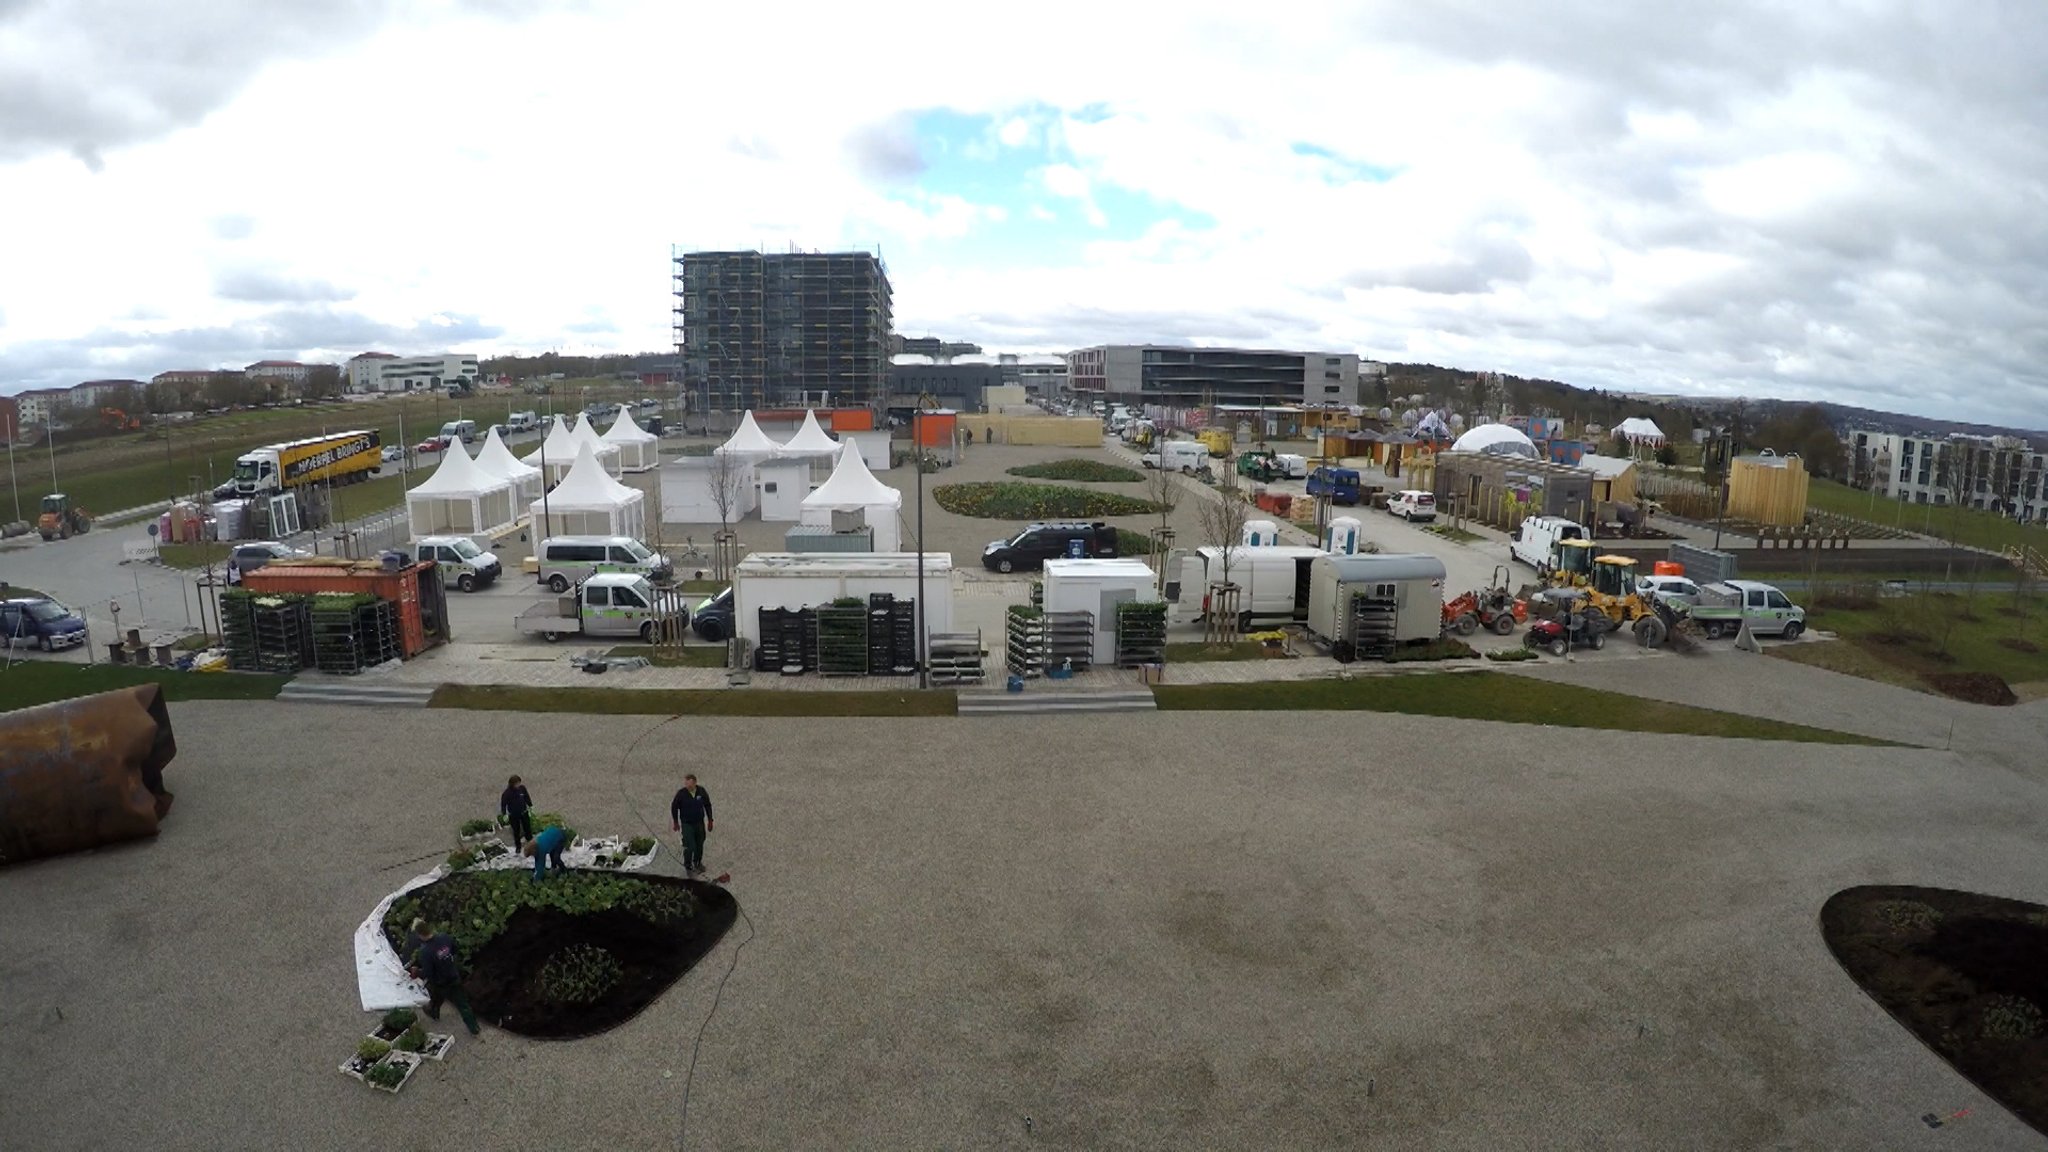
column 1098, row 586
column 796, row 580
column 1366, row 604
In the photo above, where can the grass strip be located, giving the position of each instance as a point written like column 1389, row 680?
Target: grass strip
column 693, row 701
column 1497, row 696
column 34, row 682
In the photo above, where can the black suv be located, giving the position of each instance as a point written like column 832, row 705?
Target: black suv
column 1038, row 543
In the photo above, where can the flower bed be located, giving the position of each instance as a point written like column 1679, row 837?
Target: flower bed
column 1010, row 501
column 1081, row 471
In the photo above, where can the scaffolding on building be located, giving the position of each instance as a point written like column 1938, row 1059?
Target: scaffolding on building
column 782, row 329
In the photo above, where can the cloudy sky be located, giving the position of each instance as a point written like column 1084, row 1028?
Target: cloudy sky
column 1842, row 199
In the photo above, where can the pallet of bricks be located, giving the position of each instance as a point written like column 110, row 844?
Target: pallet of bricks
column 266, row 632
column 352, row 632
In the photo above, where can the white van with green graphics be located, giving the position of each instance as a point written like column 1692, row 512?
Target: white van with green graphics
column 566, row 560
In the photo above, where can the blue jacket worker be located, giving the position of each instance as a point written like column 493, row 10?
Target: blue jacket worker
column 690, row 814
column 515, row 807
column 546, row 849
column 433, row 960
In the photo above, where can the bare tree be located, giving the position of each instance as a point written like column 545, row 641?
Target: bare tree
column 1163, row 488
column 1223, row 520
column 728, row 477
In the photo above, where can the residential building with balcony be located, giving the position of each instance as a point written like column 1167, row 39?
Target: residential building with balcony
column 1182, row 377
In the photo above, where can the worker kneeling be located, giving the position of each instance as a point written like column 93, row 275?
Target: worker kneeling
column 546, row 849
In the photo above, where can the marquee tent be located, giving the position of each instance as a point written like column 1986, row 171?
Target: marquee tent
column 1640, row 431
column 607, row 454
column 852, row 487
column 588, row 502
column 748, row 440
column 639, row 450
column 497, row 460
column 460, row 499
column 557, row 453
column 811, row 440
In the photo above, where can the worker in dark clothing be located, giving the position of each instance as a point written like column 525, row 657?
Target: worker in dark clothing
column 433, row 960
column 690, row 814
column 516, row 808
column 546, row 849
column 989, row 437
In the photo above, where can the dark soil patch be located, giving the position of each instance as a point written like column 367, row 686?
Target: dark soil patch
column 1962, row 972
column 1973, row 687
column 2019, row 645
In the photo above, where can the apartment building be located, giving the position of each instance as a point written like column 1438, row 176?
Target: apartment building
column 2001, row 474
column 1193, row 377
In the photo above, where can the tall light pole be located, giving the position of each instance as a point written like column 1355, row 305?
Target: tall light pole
column 50, row 438
column 12, row 481
column 924, row 653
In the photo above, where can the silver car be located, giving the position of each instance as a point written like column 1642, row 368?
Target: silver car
column 1670, row 589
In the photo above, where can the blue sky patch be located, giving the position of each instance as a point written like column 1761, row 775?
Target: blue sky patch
column 1343, row 170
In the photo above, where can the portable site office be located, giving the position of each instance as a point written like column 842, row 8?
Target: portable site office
column 1365, row 605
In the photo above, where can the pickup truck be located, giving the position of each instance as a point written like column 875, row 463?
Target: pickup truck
column 618, row 604
column 1724, row 607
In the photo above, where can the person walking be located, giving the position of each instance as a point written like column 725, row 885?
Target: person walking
column 546, row 849
column 433, row 960
column 516, row 808
column 690, row 814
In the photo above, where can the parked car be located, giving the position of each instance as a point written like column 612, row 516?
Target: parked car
column 250, row 557
column 42, row 623
column 713, row 618
column 1675, row 590
column 431, row 444
column 393, row 452
column 1037, row 543
column 1412, row 504
column 462, row 563
column 1725, row 607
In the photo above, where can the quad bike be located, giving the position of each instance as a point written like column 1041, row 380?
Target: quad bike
column 1568, row 627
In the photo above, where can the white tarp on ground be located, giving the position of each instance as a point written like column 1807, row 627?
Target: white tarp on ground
column 1640, row 430
column 639, row 450
column 557, row 452
column 852, row 487
column 460, row 499
column 810, row 440
column 748, row 440
column 381, row 980
column 588, row 502
column 498, row 460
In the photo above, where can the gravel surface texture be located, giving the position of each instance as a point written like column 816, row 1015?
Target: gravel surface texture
column 1138, row 931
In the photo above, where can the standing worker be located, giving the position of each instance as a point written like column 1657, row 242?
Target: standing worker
column 433, row 960
column 516, row 807
column 546, row 849
column 690, row 814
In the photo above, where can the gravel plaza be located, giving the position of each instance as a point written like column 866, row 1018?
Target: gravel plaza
column 1168, row 930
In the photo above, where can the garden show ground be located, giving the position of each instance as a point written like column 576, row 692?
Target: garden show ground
column 1984, row 648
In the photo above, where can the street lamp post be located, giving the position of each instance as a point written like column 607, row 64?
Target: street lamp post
column 924, row 677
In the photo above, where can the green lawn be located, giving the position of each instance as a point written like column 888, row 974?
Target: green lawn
column 1082, row 471
column 1968, row 526
column 694, row 702
column 690, row 656
column 1902, row 640
column 1454, row 534
column 1492, row 696
column 194, row 556
column 40, row 682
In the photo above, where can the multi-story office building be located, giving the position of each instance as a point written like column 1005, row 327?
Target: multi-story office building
column 2001, row 474
column 773, row 329
column 381, row 372
column 1195, row 377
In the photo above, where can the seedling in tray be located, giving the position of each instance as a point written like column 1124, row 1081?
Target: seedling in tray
column 391, row 1075
column 367, row 1054
column 414, row 1039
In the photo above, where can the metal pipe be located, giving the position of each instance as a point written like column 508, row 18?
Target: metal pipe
column 84, row 772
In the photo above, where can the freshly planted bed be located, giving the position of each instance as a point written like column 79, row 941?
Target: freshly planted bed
column 1083, row 471
column 1006, row 501
column 1962, row 972
column 572, row 955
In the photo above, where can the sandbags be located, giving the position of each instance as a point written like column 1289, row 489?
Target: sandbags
column 82, row 773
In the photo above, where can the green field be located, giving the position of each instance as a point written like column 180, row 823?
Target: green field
column 1966, row 526
column 694, row 701
column 41, row 682
column 1905, row 640
column 1497, row 696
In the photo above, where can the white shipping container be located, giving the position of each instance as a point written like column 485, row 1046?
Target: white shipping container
column 796, row 580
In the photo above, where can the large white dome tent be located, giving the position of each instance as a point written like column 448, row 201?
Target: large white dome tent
column 1496, row 440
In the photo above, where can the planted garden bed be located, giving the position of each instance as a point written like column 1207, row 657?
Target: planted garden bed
column 1082, row 471
column 573, row 955
column 1961, row 971
column 1007, row 501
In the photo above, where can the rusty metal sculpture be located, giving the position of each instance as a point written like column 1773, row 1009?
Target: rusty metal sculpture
column 83, row 773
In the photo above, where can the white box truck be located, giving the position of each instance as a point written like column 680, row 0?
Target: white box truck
column 1180, row 456
column 1273, row 582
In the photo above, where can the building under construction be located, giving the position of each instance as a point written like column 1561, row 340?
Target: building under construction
column 782, row 329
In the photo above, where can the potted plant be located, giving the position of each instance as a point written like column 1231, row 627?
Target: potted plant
column 413, row 1039
column 393, row 1072
column 368, row 1053
column 457, row 861
column 395, row 1022
column 641, row 846
column 476, row 832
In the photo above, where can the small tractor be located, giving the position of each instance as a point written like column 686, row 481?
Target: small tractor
column 1613, row 597
column 1495, row 608
column 61, row 521
column 1259, row 464
column 1571, row 564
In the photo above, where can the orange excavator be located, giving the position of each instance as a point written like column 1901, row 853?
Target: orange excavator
column 120, row 421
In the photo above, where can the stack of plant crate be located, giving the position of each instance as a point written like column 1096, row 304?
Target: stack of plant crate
column 841, row 629
column 1140, row 633
column 1025, row 652
column 903, row 636
column 957, row 657
column 334, row 620
column 1069, row 639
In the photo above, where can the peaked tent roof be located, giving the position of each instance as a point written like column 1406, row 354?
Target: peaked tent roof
column 748, row 440
column 810, row 440
column 588, row 485
column 1639, row 428
column 851, row 485
column 558, row 446
column 583, row 433
column 626, row 430
column 498, row 460
column 458, row 475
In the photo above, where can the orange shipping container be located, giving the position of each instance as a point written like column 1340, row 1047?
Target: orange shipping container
column 415, row 588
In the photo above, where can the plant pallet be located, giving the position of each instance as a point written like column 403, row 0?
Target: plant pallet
column 410, row 1062
column 438, row 1044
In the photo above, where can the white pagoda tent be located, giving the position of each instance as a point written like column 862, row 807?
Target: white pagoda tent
column 811, row 440
column 749, row 441
column 607, row 454
column 497, row 460
column 639, row 449
column 589, row 502
column 1642, row 434
column 852, row 488
column 556, row 454
column 460, row 499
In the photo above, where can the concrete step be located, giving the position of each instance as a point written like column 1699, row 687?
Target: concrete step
column 1029, row 702
column 339, row 691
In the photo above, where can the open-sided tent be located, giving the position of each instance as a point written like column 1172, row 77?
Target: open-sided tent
column 497, row 460
column 639, row 450
column 852, row 487
column 607, row 454
column 589, row 502
column 1641, row 433
column 556, row 454
column 811, row 440
column 748, row 441
column 460, row 499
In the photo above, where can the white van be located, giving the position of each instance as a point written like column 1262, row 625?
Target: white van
column 1272, row 581
column 566, row 560
column 463, row 430
column 462, row 563
column 1179, row 455
column 1538, row 538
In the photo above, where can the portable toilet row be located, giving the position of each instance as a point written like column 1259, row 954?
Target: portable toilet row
column 1261, row 534
column 1344, row 536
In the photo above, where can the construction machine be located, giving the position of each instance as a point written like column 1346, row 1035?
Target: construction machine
column 1494, row 608
column 1571, row 564
column 60, row 520
column 1261, row 464
column 1613, row 596
column 120, row 421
